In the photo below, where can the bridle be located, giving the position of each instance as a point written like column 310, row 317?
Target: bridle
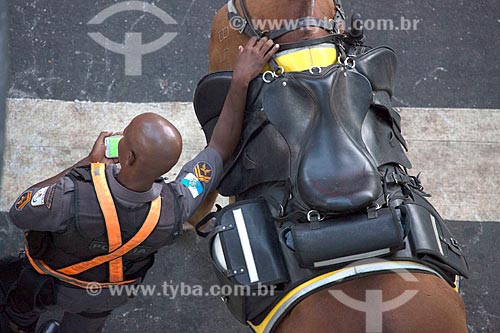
column 332, row 26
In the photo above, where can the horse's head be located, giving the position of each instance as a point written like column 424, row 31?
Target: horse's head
column 283, row 20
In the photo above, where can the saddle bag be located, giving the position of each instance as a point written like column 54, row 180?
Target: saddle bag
column 432, row 242
column 347, row 238
column 246, row 252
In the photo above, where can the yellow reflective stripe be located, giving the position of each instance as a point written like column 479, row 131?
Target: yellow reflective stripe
column 260, row 328
column 305, row 58
column 108, row 208
column 457, row 284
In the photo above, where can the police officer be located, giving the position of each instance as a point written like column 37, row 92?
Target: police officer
column 93, row 227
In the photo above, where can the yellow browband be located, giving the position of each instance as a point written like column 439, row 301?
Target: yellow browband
column 298, row 60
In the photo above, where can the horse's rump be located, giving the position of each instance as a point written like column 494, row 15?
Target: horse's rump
column 434, row 308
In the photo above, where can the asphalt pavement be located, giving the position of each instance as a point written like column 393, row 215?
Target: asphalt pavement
column 448, row 54
column 83, row 50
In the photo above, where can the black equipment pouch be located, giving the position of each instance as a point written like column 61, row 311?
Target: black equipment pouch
column 432, row 241
column 246, row 252
column 38, row 242
column 347, row 238
column 32, row 291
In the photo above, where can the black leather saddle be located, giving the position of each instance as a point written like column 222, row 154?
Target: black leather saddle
column 325, row 133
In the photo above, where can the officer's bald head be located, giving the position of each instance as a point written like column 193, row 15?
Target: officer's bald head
column 151, row 145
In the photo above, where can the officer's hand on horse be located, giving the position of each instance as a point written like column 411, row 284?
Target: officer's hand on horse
column 97, row 154
column 253, row 57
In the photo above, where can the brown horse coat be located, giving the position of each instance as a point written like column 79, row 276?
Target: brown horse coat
column 436, row 308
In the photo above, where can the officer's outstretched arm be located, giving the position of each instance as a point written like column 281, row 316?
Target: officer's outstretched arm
column 250, row 61
column 248, row 64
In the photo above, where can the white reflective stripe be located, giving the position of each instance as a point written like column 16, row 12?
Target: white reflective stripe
column 218, row 253
column 245, row 245
column 352, row 258
column 340, row 275
column 433, row 220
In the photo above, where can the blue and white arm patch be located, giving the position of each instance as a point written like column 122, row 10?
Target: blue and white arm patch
column 193, row 184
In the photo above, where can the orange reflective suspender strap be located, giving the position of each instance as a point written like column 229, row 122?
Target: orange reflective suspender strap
column 103, row 193
column 146, row 229
column 63, row 273
column 42, row 268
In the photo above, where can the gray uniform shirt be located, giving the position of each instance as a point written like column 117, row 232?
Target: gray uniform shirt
column 49, row 208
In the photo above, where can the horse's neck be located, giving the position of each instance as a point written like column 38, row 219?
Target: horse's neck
column 286, row 10
column 289, row 9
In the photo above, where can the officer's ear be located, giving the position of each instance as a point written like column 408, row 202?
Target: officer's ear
column 131, row 158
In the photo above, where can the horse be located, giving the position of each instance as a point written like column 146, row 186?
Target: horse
column 361, row 302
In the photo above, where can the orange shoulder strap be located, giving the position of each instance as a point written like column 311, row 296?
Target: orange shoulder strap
column 108, row 208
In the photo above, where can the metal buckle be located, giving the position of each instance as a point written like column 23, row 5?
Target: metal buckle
column 395, row 178
column 350, row 63
column 268, row 73
column 279, row 70
column 374, row 207
column 282, row 210
column 455, row 243
column 313, row 72
column 315, row 213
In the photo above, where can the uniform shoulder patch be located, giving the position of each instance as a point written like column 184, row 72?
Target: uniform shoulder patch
column 23, row 200
column 193, row 184
column 203, row 171
column 38, row 198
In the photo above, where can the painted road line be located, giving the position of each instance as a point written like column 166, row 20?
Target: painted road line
column 452, row 147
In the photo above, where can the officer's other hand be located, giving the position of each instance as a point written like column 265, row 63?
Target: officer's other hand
column 97, row 154
column 252, row 58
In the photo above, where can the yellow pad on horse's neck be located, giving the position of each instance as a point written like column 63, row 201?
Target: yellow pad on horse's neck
column 302, row 59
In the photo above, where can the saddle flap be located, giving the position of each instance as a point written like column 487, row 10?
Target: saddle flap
column 209, row 98
column 382, row 134
column 210, row 95
column 379, row 65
